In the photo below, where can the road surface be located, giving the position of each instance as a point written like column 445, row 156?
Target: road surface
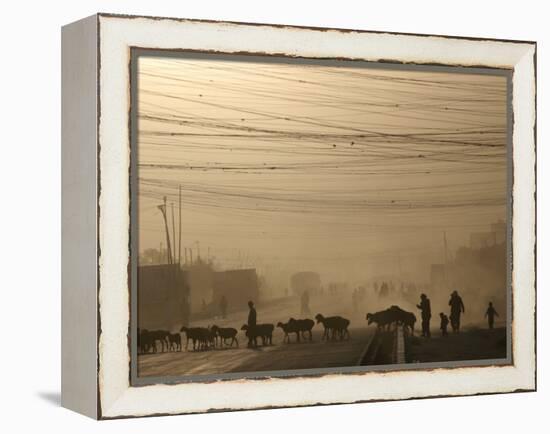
column 279, row 356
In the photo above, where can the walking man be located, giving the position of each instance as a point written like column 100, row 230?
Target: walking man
column 490, row 314
column 457, row 308
column 426, row 310
column 251, row 322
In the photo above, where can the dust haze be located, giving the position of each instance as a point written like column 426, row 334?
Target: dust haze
column 360, row 176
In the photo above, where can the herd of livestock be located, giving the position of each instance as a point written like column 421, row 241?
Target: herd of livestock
column 205, row 338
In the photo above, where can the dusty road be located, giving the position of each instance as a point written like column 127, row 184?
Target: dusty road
column 279, row 356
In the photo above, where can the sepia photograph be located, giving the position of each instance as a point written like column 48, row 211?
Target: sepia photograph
column 301, row 216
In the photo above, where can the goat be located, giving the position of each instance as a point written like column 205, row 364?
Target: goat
column 264, row 331
column 289, row 327
column 160, row 336
column 303, row 326
column 335, row 324
column 144, row 341
column 385, row 318
column 341, row 328
column 382, row 319
column 226, row 333
column 407, row 319
column 200, row 335
column 174, row 339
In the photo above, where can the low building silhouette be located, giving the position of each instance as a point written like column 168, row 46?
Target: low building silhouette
column 163, row 297
column 237, row 286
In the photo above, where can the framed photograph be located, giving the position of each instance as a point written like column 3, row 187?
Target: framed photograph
column 262, row 216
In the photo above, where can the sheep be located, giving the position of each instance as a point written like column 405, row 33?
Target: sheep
column 303, row 326
column 144, row 341
column 382, row 319
column 385, row 318
column 158, row 336
column 211, row 338
column 264, row 331
column 174, row 339
column 341, row 328
column 335, row 324
column 200, row 335
column 289, row 327
column 226, row 333
column 407, row 319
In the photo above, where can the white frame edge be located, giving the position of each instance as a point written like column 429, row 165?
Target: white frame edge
column 117, row 398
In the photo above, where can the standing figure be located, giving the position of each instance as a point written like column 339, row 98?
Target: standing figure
column 223, row 306
column 305, row 303
column 426, row 309
column 251, row 322
column 490, row 314
column 457, row 308
column 444, row 324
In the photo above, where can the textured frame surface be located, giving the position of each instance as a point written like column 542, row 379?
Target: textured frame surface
column 116, row 36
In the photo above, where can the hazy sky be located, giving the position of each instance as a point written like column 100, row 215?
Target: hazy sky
column 335, row 168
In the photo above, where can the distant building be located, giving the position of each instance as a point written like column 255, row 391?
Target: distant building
column 237, row 286
column 163, row 297
column 305, row 281
column 200, row 277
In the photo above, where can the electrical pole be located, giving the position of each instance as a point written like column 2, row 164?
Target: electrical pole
column 162, row 209
column 173, row 236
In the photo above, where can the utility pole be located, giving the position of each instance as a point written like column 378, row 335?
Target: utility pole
column 179, row 236
column 173, row 235
column 162, row 209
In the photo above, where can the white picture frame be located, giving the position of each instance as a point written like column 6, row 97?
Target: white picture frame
column 96, row 356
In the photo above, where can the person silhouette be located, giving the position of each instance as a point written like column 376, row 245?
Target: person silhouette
column 251, row 322
column 426, row 309
column 444, row 324
column 490, row 314
column 457, row 308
